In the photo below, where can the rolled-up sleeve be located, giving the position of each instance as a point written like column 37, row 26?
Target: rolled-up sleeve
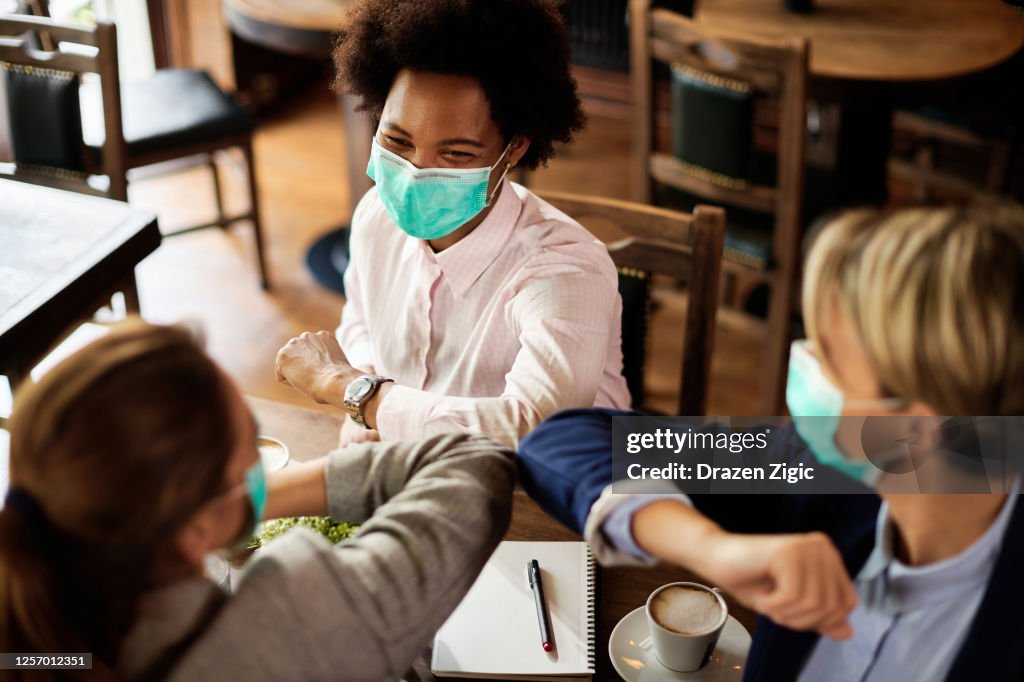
column 609, row 526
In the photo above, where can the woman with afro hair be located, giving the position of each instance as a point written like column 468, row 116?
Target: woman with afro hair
column 472, row 305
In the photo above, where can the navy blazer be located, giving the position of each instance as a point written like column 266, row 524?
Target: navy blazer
column 565, row 464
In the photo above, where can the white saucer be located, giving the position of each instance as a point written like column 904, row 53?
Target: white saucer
column 633, row 656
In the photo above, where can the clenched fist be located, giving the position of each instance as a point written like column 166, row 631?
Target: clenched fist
column 314, row 364
column 798, row 579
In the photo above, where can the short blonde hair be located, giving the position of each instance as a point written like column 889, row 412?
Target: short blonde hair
column 936, row 298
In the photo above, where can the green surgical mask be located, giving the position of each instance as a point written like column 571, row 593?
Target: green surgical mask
column 430, row 203
column 816, row 405
column 256, row 490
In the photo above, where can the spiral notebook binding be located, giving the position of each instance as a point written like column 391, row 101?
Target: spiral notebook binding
column 591, row 598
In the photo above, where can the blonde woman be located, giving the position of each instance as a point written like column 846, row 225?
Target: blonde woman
column 136, row 457
column 916, row 313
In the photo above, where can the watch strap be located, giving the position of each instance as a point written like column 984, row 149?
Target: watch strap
column 354, row 408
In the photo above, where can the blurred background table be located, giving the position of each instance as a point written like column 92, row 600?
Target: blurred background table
column 310, row 433
column 882, row 40
column 62, row 257
column 869, row 57
column 305, row 28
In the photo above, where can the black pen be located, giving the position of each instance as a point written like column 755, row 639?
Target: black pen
column 533, row 573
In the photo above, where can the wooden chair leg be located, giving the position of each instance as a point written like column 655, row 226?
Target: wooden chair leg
column 995, row 180
column 925, row 160
column 129, row 288
column 211, row 163
column 728, row 296
column 15, row 377
column 257, row 225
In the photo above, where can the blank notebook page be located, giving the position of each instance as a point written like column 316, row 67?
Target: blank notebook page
column 494, row 631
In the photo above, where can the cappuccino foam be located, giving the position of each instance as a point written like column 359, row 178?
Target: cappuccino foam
column 686, row 610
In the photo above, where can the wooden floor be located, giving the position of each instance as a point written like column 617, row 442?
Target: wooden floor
column 210, row 276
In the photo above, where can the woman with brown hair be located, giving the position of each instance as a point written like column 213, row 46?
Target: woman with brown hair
column 135, row 458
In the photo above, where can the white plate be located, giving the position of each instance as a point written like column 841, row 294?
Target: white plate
column 632, row 653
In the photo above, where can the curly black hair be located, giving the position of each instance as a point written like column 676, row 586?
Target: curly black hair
column 517, row 50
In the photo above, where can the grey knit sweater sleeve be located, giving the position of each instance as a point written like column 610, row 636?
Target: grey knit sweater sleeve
column 431, row 514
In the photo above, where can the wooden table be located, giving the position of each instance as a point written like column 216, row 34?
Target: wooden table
column 862, row 55
column 310, row 434
column 301, row 27
column 62, row 255
column 882, row 40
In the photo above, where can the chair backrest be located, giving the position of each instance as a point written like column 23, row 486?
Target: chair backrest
column 719, row 79
column 681, row 246
column 43, row 102
column 773, row 69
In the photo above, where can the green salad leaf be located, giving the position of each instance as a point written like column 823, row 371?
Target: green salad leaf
column 334, row 531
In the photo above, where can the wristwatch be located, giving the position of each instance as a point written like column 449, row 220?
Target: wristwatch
column 359, row 392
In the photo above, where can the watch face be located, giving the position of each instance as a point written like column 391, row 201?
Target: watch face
column 359, row 388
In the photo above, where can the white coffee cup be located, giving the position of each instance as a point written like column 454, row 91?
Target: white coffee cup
column 273, row 453
column 685, row 621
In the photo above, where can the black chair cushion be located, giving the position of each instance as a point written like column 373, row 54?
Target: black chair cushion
column 712, row 124
column 635, row 289
column 170, row 109
column 42, row 109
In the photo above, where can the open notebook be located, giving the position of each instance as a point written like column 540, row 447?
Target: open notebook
column 494, row 632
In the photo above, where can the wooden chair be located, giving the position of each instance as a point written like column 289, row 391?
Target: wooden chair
column 60, row 70
column 927, row 135
column 770, row 71
column 57, row 74
column 174, row 114
column 661, row 242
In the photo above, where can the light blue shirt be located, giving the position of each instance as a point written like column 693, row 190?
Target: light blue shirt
column 907, row 618
column 617, row 527
column 910, row 618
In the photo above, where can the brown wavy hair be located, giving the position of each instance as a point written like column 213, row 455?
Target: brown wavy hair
column 119, row 445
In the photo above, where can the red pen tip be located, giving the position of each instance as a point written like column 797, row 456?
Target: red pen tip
column 547, row 646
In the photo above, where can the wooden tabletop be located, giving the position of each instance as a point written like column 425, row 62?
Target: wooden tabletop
column 301, row 27
column 60, row 253
column 888, row 40
column 882, row 40
column 309, row 434
column 311, row 15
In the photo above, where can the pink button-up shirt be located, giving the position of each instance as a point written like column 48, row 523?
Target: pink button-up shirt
column 516, row 321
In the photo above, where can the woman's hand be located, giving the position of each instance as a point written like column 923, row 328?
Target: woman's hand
column 314, row 364
column 798, row 580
